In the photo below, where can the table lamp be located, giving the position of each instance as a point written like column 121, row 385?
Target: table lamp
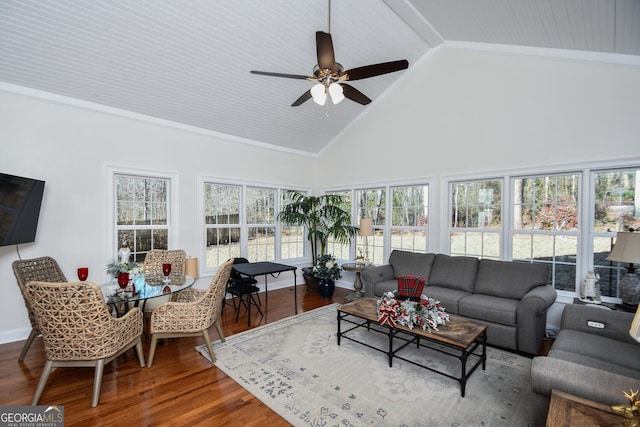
column 627, row 249
column 191, row 267
column 366, row 230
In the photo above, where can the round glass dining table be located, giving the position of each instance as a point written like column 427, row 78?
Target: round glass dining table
column 147, row 286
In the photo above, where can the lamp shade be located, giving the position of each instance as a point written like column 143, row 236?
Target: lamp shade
column 319, row 94
column 366, row 227
column 627, row 248
column 191, row 267
column 336, row 92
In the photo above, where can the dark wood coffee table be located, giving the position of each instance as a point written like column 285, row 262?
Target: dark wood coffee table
column 460, row 337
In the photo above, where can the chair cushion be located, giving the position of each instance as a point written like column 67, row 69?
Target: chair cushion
column 410, row 286
column 509, row 279
column 457, row 272
column 404, row 263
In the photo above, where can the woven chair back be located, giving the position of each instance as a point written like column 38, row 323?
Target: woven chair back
column 43, row 269
column 215, row 293
column 75, row 321
column 156, row 257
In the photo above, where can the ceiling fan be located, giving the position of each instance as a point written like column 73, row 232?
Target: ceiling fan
column 331, row 76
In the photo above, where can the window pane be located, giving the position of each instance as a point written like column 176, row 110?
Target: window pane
column 371, row 203
column 222, row 244
column 616, row 206
column 337, row 249
column 409, row 218
column 260, row 205
column 142, row 213
column 293, row 239
column 222, row 204
column 222, row 222
column 476, row 217
column 292, row 242
column 261, row 245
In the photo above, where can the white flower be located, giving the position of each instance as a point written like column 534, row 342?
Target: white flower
column 329, row 265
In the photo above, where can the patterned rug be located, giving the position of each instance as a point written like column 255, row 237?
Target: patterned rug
column 297, row 369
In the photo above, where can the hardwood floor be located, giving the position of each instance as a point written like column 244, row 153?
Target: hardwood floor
column 182, row 388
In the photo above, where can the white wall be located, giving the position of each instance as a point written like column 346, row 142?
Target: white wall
column 70, row 147
column 462, row 111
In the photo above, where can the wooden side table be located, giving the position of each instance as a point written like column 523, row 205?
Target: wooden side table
column 566, row 410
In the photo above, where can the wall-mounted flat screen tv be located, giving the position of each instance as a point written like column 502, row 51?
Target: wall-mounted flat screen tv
column 20, row 201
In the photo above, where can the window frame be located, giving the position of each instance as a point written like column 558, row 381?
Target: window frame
column 279, row 189
column 584, row 259
column 387, row 227
column 112, row 171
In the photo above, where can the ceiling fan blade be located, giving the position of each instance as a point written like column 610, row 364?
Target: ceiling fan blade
column 324, row 49
column 354, row 94
column 376, row 69
column 305, row 97
column 288, row 76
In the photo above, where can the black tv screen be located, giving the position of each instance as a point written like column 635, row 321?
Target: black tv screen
column 20, row 201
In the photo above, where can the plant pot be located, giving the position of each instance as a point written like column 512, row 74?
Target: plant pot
column 310, row 279
column 326, row 288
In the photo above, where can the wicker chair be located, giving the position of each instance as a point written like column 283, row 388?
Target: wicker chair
column 191, row 313
column 79, row 331
column 156, row 257
column 44, row 269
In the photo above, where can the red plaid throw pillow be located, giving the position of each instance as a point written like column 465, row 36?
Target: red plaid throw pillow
column 410, row 286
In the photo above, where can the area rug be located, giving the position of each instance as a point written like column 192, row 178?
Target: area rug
column 297, row 369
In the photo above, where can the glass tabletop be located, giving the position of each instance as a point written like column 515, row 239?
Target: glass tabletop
column 146, row 286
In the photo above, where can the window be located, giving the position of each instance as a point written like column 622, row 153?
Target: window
column 372, row 203
column 222, row 222
column 142, row 213
column 261, row 226
column 615, row 208
column 476, row 220
column 409, row 210
column 337, row 249
column 292, row 238
column 240, row 220
column 545, row 224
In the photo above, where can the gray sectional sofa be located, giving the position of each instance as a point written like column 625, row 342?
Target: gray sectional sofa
column 596, row 362
column 511, row 297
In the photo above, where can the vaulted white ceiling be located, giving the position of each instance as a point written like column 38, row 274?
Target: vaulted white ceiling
column 188, row 61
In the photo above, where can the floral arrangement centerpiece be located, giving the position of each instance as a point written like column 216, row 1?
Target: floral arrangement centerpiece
column 115, row 267
column 426, row 313
column 327, row 268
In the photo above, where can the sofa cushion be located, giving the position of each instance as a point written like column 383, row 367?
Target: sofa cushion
column 448, row 297
column 509, row 279
column 489, row 308
column 404, row 263
column 600, row 351
column 457, row 272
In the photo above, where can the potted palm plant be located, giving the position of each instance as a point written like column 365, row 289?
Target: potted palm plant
column 324, row 219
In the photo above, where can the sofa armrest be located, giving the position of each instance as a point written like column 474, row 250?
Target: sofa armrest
column 548, row 373
column 532, row 317
column 372, row 275
column 616, row 323
column 539, row 299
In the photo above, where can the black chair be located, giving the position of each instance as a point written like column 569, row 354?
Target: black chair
column 244, row 288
